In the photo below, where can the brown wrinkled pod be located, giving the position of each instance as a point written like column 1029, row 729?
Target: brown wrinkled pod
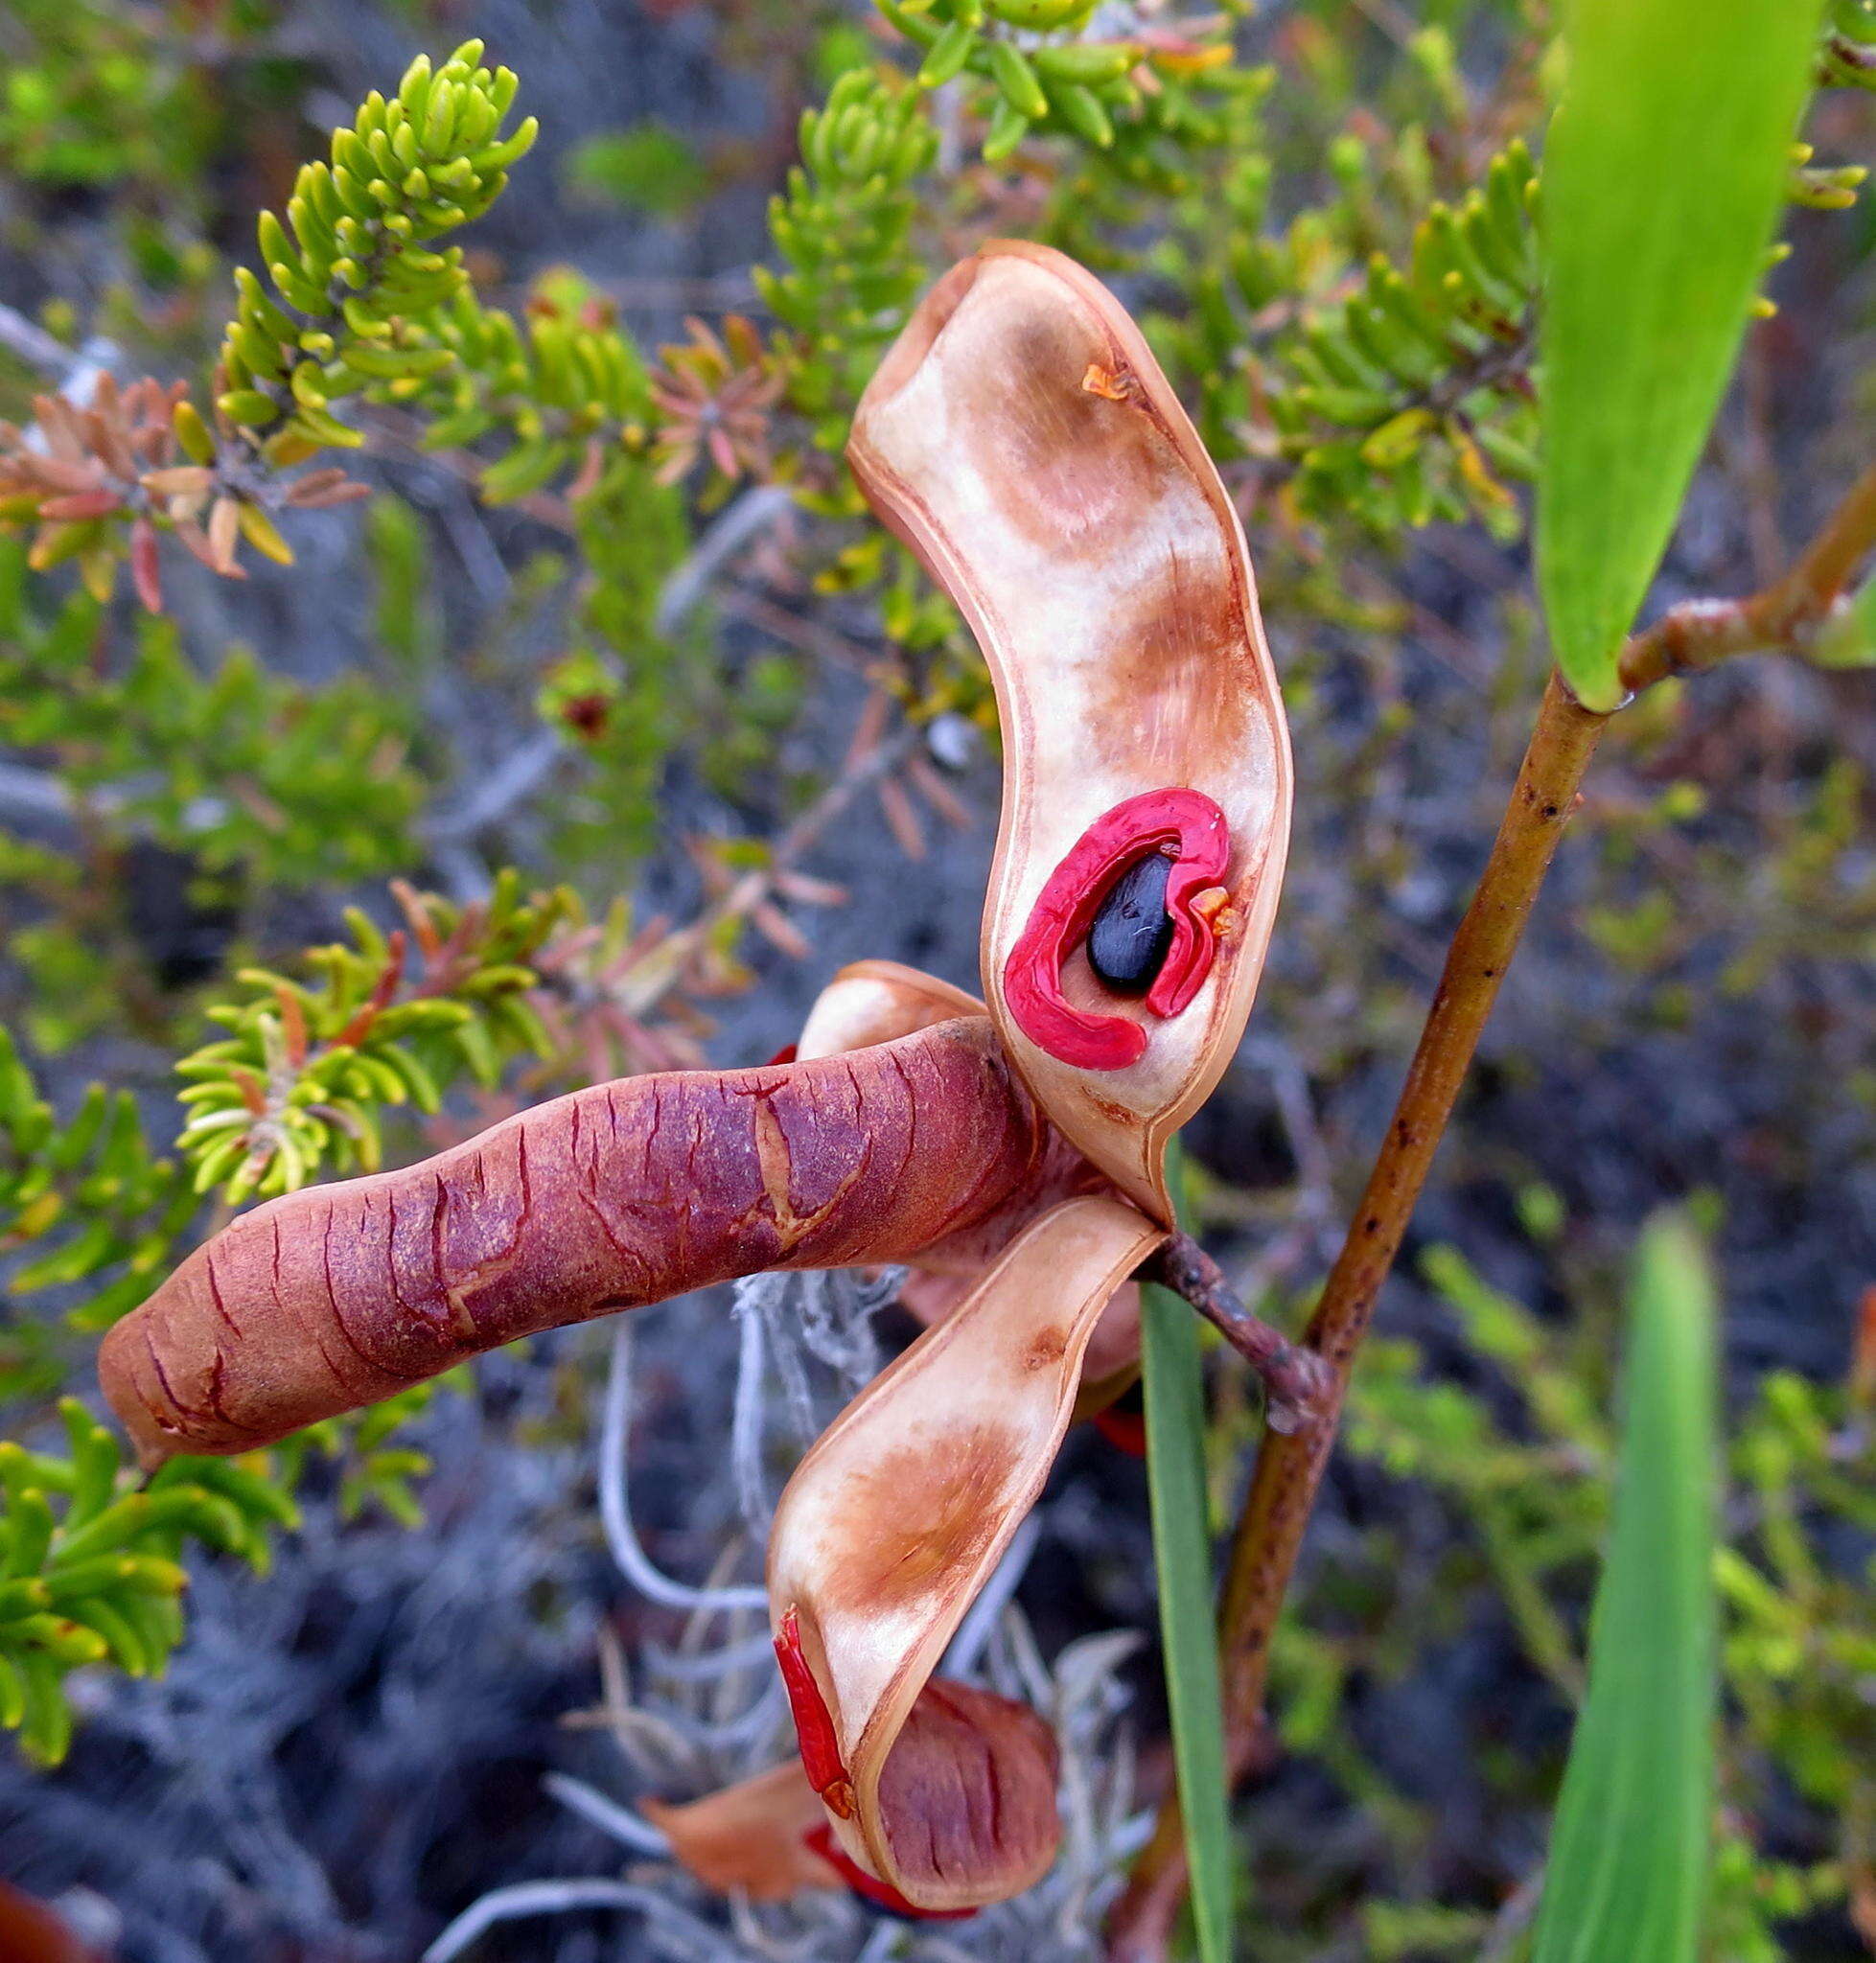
column 769, row 1838
column 1021, row 438
column 614, row 1198
column 891, row 1526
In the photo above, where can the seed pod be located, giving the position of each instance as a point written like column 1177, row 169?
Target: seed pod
column 622, row 1194
column 879, row 1001
column 1021, row 440
column 884, row 1536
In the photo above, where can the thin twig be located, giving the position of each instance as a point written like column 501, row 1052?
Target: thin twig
column 1296, row 1381
column 620, row 1822
column 734, row 529
column 550, row 1898
column 490, row 797
column 1784, row 614
column 616, row 1512
column 34, row 345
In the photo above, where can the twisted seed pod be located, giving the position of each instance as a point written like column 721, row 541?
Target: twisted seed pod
column 875, row 1002
column 886, row 1531
column 610, row 1198
column 1020, row 437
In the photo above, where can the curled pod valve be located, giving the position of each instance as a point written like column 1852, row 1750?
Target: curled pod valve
column 1021, row 439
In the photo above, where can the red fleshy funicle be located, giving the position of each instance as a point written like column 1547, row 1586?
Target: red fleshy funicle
column 1190, row 830
column 814, row 1727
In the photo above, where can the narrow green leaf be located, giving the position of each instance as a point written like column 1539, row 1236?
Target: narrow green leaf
column 1174, row 1392
column 1631, row 1847
column 1662, row 180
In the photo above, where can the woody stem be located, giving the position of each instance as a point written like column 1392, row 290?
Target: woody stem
column 1296, row 1380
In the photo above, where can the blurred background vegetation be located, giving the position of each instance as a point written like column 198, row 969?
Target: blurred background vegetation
column 489, row 683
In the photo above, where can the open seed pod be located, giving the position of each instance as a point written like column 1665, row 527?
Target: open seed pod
column 1020, row 437
column 884, row 1536
column 617, row 1195
column 879, row 1001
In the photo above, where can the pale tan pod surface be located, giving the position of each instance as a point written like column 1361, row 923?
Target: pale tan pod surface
column 1098, row 561
column 878, row 1002
column 895, row 1518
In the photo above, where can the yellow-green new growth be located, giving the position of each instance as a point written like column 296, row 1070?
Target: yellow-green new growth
column 90, row 1563
column 298, row 1083
column 351, row 269
column 1411, row 397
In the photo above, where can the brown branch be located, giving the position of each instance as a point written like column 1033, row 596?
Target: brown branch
column 1784, row 614
column 1290, row 1466
column 1296, row 1380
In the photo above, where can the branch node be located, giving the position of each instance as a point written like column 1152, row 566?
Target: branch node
column 1299, row 1385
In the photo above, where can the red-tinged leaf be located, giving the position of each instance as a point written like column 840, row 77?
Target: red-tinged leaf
column 902, row 818
column 224, row 531
column 937, row 794
column 807, row 891
column 587, row 481
column 78, row 506
column 146, row 574
column 181, row 480
column 196, row 542
column 780, row 932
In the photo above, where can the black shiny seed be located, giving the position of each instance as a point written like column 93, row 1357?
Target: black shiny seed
column 1130, row 934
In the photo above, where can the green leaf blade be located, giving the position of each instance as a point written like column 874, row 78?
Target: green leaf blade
column 1174, row 1395
column 1662, row 181
column 1631, row 1847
